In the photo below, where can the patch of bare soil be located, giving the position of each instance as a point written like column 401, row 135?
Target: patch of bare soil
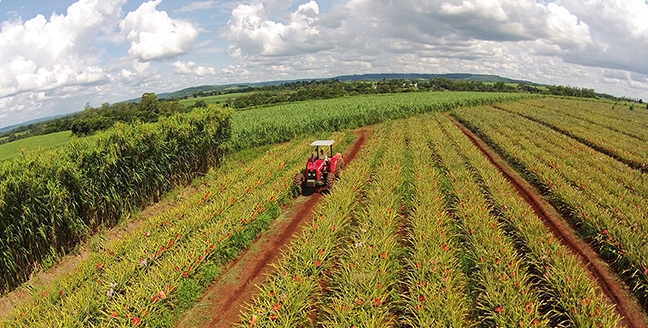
column 632, row 314
column 221, row 304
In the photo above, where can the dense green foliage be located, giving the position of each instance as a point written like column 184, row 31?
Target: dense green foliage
column 216, row 99
column 283, row 122
column 150, row 109
column 49, row 201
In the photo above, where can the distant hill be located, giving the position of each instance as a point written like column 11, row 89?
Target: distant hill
column 204, row 88
column 225, row 87
column 411, row 76
column 34, row 121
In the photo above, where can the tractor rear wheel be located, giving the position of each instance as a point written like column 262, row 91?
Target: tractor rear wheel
column 299, row 182
column 330, row 181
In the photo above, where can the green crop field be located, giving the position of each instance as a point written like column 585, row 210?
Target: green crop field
column 51, row 140
column 422, row 229
column 283, row 122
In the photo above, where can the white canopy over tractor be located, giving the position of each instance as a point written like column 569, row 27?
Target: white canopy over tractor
column 322, row 143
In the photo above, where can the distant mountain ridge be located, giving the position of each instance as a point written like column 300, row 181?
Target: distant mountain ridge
column 34, row 121
column 411, row 76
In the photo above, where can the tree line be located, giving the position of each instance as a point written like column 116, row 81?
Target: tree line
column 326, row 89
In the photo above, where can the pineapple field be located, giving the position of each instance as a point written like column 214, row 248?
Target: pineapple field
column 454, row 209
column 436, row 237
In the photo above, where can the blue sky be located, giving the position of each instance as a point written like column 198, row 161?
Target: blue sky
column 56, row 56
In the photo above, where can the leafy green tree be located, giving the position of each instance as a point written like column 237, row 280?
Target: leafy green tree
column 149, row 103
column 200, row 104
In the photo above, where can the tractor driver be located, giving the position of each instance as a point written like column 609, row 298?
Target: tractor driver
column 323, row 155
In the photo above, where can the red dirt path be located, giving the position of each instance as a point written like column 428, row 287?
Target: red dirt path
column 632, row 314
column 224, row 299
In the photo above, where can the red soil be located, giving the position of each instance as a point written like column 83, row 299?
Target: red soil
column 632, row 314
column 226, row 297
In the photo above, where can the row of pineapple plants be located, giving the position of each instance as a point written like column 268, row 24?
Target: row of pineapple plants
column 622, row 190
column 618, row 189
column 292, row 293
column 363, row 289
column 435, row 282
column 626, row 148
column 131, row 277
column 603, row 199
column 568, row 291
column 500, row 283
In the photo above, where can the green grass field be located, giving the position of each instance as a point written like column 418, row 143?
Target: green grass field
column 51, row 140
column 210, row 99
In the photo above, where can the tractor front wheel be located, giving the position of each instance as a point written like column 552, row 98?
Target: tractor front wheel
column 299, row 182
column 330, row 181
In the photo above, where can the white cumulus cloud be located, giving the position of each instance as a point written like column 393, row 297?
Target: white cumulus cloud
column 191, row 68
column 41, row 54
column 153, row 35
column 198, row 5
column 251, row 32
column 621, row 29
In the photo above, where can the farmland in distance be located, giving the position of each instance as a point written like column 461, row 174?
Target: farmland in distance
column 43, row 142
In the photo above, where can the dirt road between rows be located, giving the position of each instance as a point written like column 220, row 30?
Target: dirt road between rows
column 608, row 283
column 221, row 304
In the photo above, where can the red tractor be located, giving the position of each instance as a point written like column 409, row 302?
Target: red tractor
column 321, row 168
